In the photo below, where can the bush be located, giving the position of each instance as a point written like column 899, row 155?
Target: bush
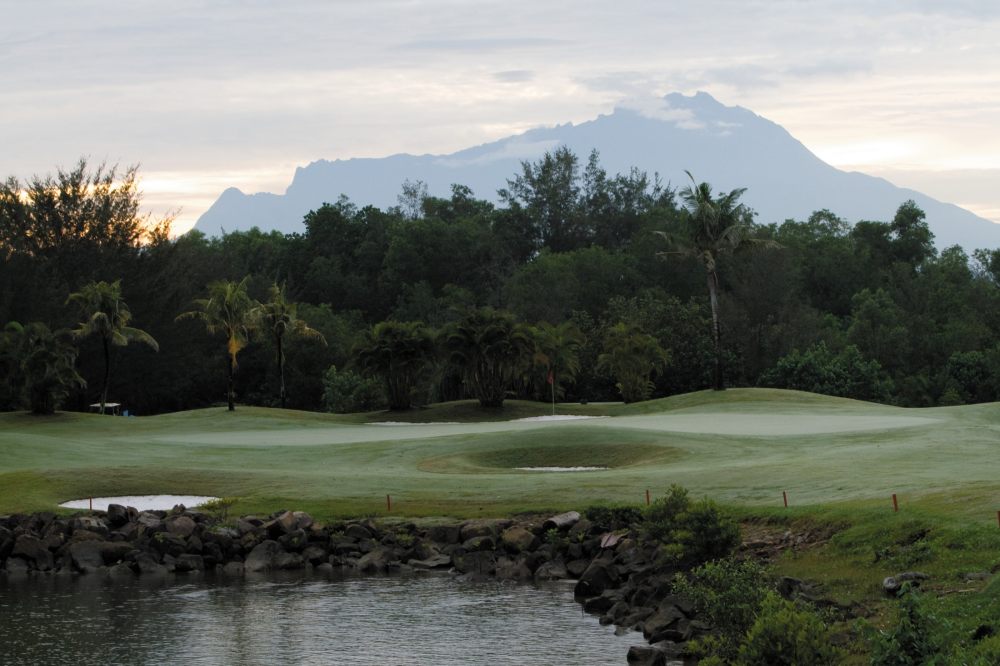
column 612, row 517
column 728, row 594
column 910, row 642
column 690, row 533
column 785, row 633
column 345, row 392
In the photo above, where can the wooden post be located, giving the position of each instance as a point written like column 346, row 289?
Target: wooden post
column 91, row 501
column 895, row 503
column 998, row 517
column 647, row 498
column 388, row 503
column 784, row 496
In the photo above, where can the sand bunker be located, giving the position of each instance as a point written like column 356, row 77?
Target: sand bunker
column 555, row 417
column 140, row 502
column 763, row 425
column 561, row 469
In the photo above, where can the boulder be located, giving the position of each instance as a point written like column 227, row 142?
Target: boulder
column 432, row 562
column 599, row 576
column 563, row 521
column 87, row 556
column 181, row 526
column 16, row 566
column 120, row 571
column 147, row 565
column 117, row 515
column 294, row 541
column 234, row 569
column 445, row 534
column 303, row 520
column 189, row 562
column 90, row 523
column 508, row 569
column 377, row 561
column 517, row 539
column 166, row 543
column 575, row 568
column 666, row 616
column 479, row 543
column 479, row 562
column 115, row 551
column 314, row 554
column 482, row 527
column 33, row 549
column 357, row 532
column 658, row 654
column 150, row 522
column 288, row 561
column 262, row 557
column 553, row 570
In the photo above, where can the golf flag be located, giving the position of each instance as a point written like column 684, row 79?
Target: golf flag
column 550, row 379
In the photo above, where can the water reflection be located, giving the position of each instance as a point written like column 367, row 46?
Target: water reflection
column 430, row 619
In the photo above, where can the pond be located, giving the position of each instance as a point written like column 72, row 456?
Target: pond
column 298, row 619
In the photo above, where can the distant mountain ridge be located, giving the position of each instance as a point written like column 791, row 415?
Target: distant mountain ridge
column 727, row 146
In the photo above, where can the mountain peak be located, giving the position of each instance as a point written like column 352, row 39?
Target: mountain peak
column 727, row 146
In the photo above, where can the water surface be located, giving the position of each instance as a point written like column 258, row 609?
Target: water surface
column 300, row 619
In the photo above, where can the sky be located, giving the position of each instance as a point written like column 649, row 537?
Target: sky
column 209, row 95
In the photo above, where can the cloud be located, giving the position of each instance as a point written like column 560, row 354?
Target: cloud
column 514, row 76
column 481, row 44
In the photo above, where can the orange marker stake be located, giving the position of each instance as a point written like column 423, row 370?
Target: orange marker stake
column 784, row 496
column 895, row 504
column 647, row 496
column 91, row 501
column 388, row 503
column 998, row 517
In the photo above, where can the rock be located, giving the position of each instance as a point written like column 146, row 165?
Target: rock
column 150, row 522
column 636, row 616
column 233, row 569
column 424, row 550
column 482, row 527
column 16, row 566
column 343, row 545
column 181, row 526
column 303, row 520
column 445, row 534
column 508, row 569
column 324, row 568
column 665, row 617
column 575, row 568
column 598, row 605
column 357, row 532
column 188, row 562
column 120, row 571
column 33, row 550
column 479, row 562
column 909, row 576
column 599, row 576
column 563, row 521
column 115, row 551
column 580, row 529
column 680, row 632
column 432, row 562
column 147, row 565
column 314, row 554
column 479, row 543
column 294, row 541
column 87, row 556
column 248, row 525
column 376, row 561
column 517, row 539
column 117, row 515
column 289, row 561
column 166, row 543
column 261, row 558
column 553, row 570
column 90, row 523
column 645, row 655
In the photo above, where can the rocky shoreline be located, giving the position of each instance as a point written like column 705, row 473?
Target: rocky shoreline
column 616, row 572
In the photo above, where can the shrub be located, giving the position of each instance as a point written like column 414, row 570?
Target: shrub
column 690, row 533
column 613, row 516
column 785, row 633
column 910, row 641
column 346, row 392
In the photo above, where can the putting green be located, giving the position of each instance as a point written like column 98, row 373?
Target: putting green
column 743, row 446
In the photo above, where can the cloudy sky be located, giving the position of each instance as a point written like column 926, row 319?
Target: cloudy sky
column 207, row 95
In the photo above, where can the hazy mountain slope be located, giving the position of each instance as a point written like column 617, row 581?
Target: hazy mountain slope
column 727, row 146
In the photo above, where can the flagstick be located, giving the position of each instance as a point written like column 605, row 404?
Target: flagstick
column 553, row 385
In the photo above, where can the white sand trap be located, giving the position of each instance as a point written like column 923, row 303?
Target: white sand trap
column 763, row 425
column 556, row 417
column 407, row 423
column 561, row 469
column 140, row 502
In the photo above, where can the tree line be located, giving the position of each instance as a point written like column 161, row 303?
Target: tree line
column 612, row 286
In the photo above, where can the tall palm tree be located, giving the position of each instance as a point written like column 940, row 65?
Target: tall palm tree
column 631, row 357
column 491, row 350
column 228, row 309
column 107, row 316
column 557, row 349
column 717, row 226
column 41, row 364
column 398, row 352
column 278, row 318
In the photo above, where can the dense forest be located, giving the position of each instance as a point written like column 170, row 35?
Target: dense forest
column 587, row 284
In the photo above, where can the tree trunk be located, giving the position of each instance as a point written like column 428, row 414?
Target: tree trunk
column 229, row 385
column 107, row 374
column 281, row 372
column 713, row 297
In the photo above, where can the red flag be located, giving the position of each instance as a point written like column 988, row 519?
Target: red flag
column 551, row 378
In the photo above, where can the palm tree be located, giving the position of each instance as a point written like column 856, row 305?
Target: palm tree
column 41, row 365
column 557, row 349
column 107, row 316
column 278, row 318
column 631, row 357
column 491, row 350
column 398, row 352
column 718, row 226
column 227, row 310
